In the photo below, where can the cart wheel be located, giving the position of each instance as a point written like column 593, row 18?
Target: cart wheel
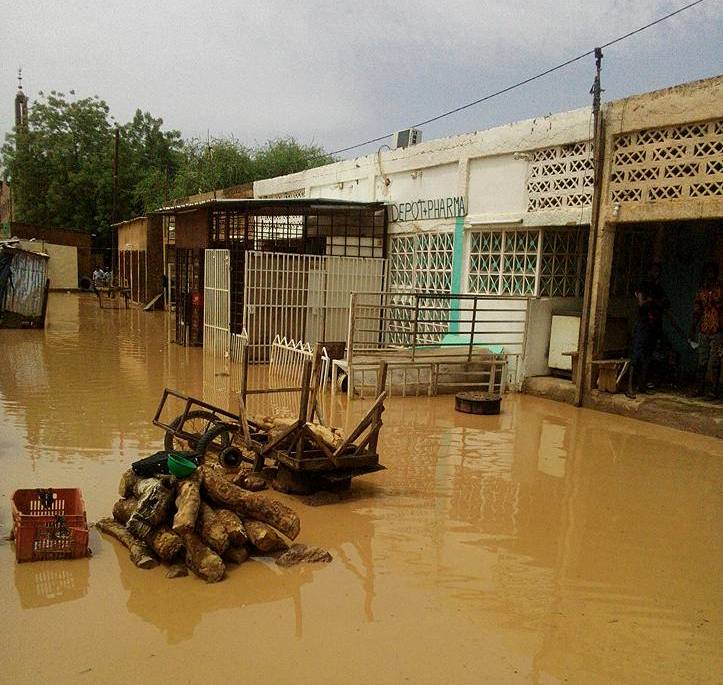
column 216, row 439
column 197, row 424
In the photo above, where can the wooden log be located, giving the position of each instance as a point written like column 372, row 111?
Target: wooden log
column 140, row 552
column 127, row 483
column 155, row 499
column 165, row 543
column 298, row 553
column 276, row 439
column 211, row 529
column 162, row 540
column 328, row 436
column 236, row 555
column 123, row 509
column 319, row 443
column 179, row 570
column 250, row 505
column 188, row 501
column 264, row 537
column 250, row 481
column 233, row 525
column 203, row 561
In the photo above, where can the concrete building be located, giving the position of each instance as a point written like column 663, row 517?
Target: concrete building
column 69, row 251
column 6, row 209
column 503, row 212
column 506, row 212
column 661, row 202
column 140, row 258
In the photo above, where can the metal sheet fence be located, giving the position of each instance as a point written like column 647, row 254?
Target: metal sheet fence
column 302, row 297
column 26, row 289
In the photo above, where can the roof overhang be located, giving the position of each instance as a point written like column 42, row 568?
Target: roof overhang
column 313, row 203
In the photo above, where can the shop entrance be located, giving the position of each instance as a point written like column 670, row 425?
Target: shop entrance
column 673, row 256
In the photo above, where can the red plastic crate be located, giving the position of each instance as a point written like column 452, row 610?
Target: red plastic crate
column 58, row 531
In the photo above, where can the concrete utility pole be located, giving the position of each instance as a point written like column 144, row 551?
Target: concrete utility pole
column 114, row 209
column 116, row 146
column 584, row 340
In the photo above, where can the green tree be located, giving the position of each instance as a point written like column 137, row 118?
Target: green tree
column 148, row 160
column 223, row 162
column 206, row 166
column 287, row 156
column 60, row 167
column 56, row 166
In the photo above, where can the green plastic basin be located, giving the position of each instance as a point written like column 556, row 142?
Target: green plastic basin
column 179, row 466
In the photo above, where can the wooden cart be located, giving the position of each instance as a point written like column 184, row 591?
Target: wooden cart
column 305, row 461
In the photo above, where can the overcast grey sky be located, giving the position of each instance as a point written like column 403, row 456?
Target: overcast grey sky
column 337, row 73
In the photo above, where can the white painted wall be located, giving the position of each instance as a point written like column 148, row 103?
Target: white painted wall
column 538, row 331
column 487, row 168
column 497, row 188
column 62, row 265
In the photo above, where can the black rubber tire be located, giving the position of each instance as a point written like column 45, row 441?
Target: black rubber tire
column 222, row 433
column 168, row 440
column 230, row 457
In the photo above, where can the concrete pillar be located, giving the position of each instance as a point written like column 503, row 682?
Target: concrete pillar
column 599, row 303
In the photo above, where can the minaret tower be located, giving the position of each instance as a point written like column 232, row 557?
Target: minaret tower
column 21, row 104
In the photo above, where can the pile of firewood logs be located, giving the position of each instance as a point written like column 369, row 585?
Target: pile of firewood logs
column 201, row 523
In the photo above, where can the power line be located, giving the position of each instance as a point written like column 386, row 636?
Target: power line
column 519, row 83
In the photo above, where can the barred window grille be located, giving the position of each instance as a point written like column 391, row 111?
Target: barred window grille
column 401, row 263
column 289, row 227
column 419, row 263
column 560, row 177
column 562, row 262
column 503, row 262
column 671, row 163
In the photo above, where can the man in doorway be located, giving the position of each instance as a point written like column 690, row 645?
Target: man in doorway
column 659, row 306
column 643, row 342
column 655, row 287
column 707, row 325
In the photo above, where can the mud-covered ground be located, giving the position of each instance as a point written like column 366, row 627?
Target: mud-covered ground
column 544, row 545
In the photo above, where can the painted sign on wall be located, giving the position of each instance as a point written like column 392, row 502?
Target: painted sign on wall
column 419, row 210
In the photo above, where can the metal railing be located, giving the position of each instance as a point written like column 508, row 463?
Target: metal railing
column 437, row 329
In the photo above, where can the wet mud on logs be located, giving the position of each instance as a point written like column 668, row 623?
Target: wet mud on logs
column 213, row 521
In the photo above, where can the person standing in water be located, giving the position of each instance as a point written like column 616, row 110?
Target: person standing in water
column 707, row 324
column 643, row 342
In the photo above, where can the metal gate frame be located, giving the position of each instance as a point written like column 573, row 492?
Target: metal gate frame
column 217, row 302
column 302, row 297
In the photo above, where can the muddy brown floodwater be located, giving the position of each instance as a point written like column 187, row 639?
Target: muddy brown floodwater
column 544, row 545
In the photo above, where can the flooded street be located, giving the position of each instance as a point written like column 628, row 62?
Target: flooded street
column 544, row 545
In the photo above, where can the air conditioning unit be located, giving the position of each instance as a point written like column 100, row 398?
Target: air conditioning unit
column 407, row 137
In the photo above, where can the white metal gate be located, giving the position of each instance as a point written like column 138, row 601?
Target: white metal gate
column 216, row 301
column 302, row 297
